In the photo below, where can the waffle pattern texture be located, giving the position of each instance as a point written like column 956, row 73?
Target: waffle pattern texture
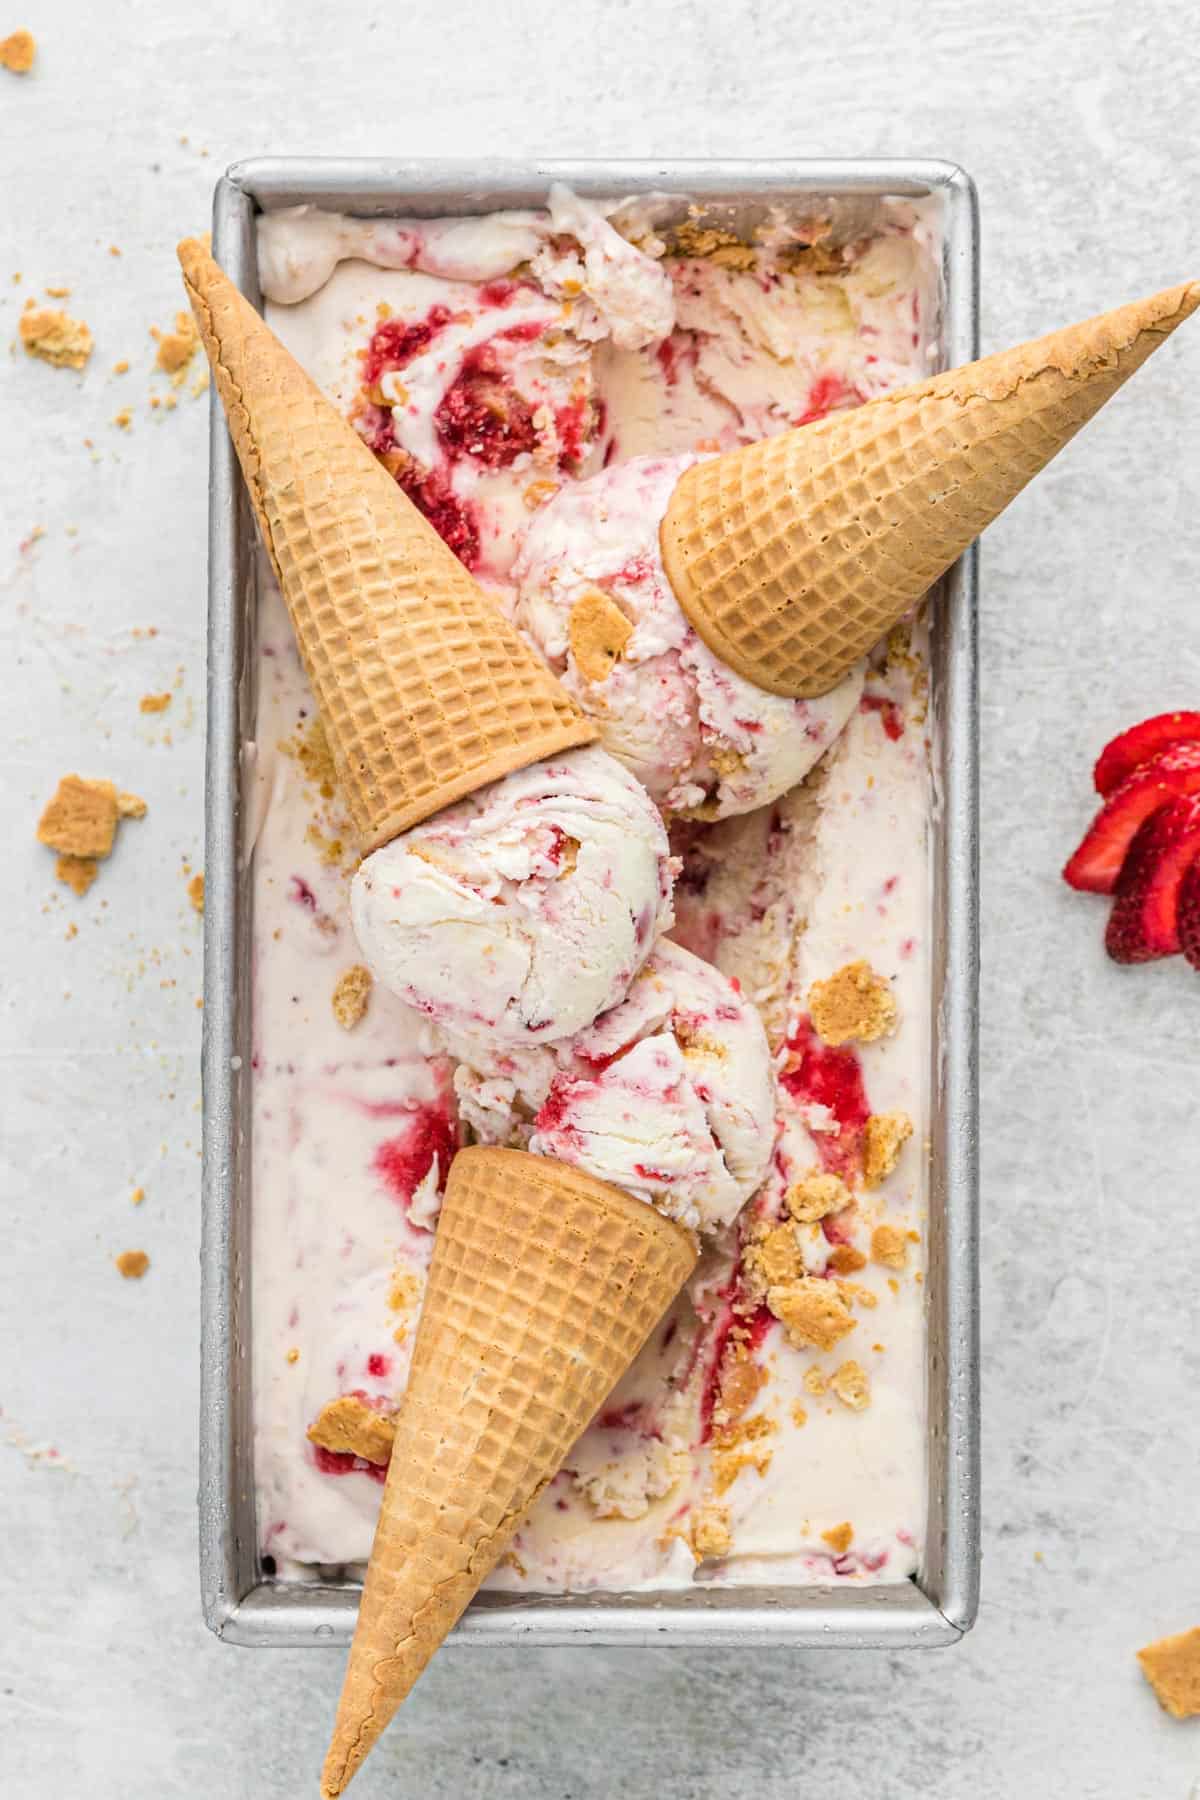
column 544, row 1285
column 793, row 556
column 425, row 689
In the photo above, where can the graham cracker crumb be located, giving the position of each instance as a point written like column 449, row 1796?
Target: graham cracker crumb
column 799, row 1414
column 131, row 806
column 839, row 1537
column 17, row 52
column 816, row 1195
column 814, row 1312
column 815, row 1382
column 78, row 872
column 293, row 1355
column 1172, row 1667
column 538, row 492
column 351, row 996
column 55, row 337
column 176, row 348
column 72, row 931
column 889, row 1246
column 154, row 703
column 854, row 1003
column 124, row 418
column 885, row 1136
column 775, row 1257
column 740, row 1446
column 195, row 891
column 712, row 244
column 330, row 849
column 133, row 1264
column 310, row 748
column 349, row 1427
column 854, row 1291
column 59, row 293
column 404, row 1291
column 852, row 1385
column 710, row 1535
column 137, row 1196
column 81, row 820
column 598, row 632
column 740, row 1385
column 121, row 368
column 846, row 1259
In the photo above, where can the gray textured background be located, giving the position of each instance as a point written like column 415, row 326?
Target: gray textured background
column 1078, row 122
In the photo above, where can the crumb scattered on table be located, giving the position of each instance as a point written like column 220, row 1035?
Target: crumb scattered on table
column 124, row 418
column 17, row 52
column 133, row 1264
column 195, row 892
column 80, row 822
column 55, row 337
column 154, row 703
column 137, row 1196
column 1172, row 1667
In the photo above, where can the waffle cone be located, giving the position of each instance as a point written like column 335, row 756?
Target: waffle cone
column 793, row 556
column 544, row 1285
column 425, row 689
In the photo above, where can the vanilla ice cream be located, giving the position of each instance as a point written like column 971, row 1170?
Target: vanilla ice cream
column 525, row 910
column 670, row 1095
column 595, row 599
column 737, row 1450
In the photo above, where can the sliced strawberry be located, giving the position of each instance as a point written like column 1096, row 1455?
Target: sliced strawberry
column 1188, row 918
column 1118, row 760
column 1171, row 775
column 1144, row 922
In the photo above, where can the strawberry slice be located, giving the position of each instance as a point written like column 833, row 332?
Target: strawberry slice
column 1188, row 918
column 1118, row 760
column 1144, row 922
column 1171, row 775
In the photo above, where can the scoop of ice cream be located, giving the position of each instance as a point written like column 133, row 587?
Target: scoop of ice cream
column 595, row 599
column 525, row 910
column 671, row 1095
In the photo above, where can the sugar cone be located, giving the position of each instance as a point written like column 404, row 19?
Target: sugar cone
column 793, row 556
column 425, row 689
column 544, row 1285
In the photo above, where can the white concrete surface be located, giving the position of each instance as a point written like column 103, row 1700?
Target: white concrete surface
column 1077, row 118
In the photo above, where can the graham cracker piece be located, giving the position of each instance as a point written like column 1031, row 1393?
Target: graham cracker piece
column 81, row 820
column 885, row 1136
column 739, row 1446
column 846, row 1259
column 839, row 1537
column 814, row 1312
column 854, row 1004
column 775, row 1257
column 852, row 1385
column 1172, row 1667
column 78, row 872
column 351, row 995
column 133, row 1264
column 131, row 806
column 816, row 1195
column 889, row 1246
column 709, row 1535
column 55, row 337
column 598, row 632
column 349, row 1427
column 17, row 52
column 176, row 348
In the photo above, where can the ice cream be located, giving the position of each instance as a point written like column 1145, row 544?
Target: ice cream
column 524, row 911
column 669, row 1096
column 728, row 1454
column 593, row 596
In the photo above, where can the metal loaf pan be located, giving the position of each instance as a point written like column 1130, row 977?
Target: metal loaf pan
column 240, row 1604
